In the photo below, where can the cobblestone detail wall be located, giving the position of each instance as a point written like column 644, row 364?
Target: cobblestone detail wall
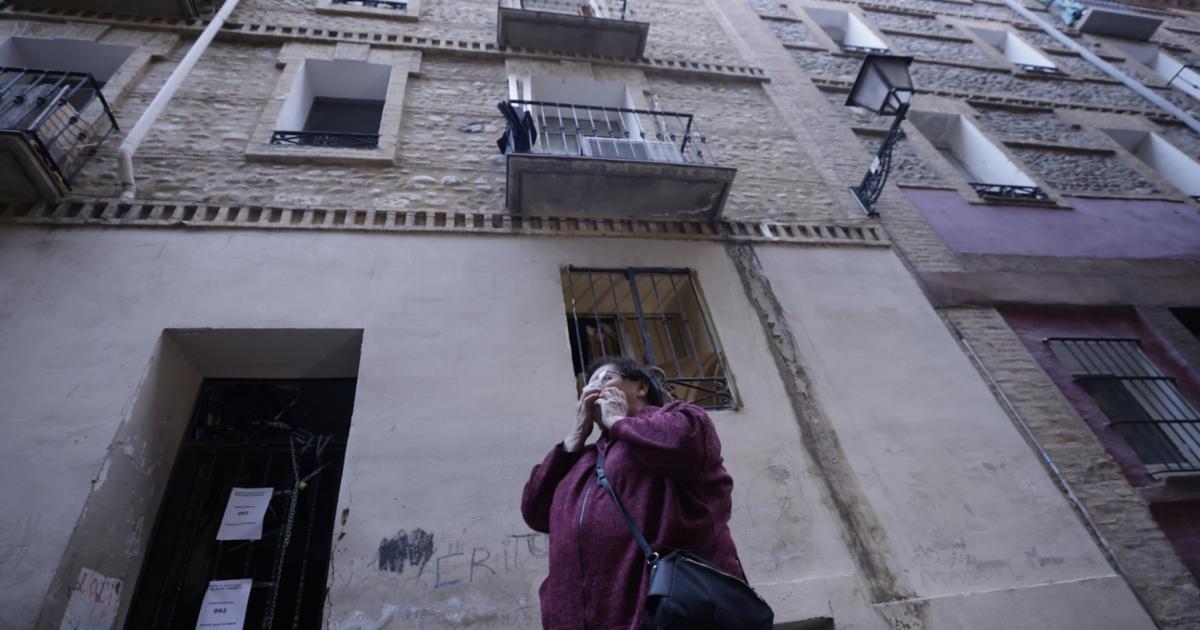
column 1085, row 172
column 966, row 52
column 980, row 81
column 1119, row 512
column 790, row 32
column 905, row 21
column 1183, row 138
column 907, row 166
column 1034, row 126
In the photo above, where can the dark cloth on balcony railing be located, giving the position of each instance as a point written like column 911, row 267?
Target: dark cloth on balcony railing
column 521, row 132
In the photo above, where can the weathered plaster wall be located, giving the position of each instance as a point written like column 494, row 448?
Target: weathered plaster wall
column 432, row 397
column 1099, row 228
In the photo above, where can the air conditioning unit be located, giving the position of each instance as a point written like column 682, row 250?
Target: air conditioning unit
column 625, row 149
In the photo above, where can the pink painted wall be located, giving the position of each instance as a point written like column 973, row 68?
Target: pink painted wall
column 1093, row 228
column 1034, row 325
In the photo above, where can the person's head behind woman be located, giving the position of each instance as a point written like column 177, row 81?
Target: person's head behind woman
column 637, row 382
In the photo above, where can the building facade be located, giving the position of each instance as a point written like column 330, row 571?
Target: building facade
column 357, row 253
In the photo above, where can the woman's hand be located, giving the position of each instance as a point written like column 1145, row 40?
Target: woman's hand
column 613, row 406
column 587, row 414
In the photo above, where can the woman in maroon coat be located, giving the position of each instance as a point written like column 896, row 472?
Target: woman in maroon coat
column 665, row 464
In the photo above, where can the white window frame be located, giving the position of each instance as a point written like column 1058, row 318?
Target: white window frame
column 1015, row 50
column 293, row 58
column 1157, row 153
column 978, row 158
column 410, row 13
column 857, row 31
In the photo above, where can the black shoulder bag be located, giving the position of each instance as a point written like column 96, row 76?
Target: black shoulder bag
column 687, row 591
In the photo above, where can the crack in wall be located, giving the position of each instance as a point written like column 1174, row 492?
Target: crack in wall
column 860, row 528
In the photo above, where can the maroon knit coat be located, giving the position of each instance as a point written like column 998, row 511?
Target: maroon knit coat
column 665, row 464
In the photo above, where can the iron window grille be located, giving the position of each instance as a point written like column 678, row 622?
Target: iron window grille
column 655, row 316
column 290, row 435
column 398, row 5
column 570, row 129
column 63, row 114
column 609, row 9
column 1008, row 191
column 864, row 50
column 338, row 139
column 1142, row 404
column 1036, row 69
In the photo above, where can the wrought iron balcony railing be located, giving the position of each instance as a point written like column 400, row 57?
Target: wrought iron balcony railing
column 398, row 5
column 865, row 50
column 1006, row 191
column 574, row 130
column 63, row 114
column 335, row 139
column 608, row 9
column 1038, row 69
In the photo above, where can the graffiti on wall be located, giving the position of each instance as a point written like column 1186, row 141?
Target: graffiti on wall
column 458, row 563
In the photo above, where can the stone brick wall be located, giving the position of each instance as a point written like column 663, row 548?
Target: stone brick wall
column 1119, row 512
column 1183, row 138
column 1069, row 171
column 966, row 52
column 1032, row 125
column 906, row 21
column 908, row 167
column 790, row 32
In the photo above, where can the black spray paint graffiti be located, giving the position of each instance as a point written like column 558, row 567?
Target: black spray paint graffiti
column 457, row 566
column 414, row 549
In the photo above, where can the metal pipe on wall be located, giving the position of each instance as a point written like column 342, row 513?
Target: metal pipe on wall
column 135, row 136
column 1105, row 67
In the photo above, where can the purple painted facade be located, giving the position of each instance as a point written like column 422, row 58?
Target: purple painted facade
column 1092, row 228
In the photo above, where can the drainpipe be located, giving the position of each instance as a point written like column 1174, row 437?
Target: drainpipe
column 1105, row 67
column 135, row 136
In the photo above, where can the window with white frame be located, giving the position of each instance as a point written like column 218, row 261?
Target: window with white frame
column 1172, row 164
column 393, row 9
column 847, row 30
column 983, row 165
column 1175, row 72
column 1143, row 404
column 580, row 116
column 334, row 104
column 1016, row 50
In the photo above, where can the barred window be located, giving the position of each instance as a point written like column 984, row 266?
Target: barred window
column 1141, row 403
column 655, row 316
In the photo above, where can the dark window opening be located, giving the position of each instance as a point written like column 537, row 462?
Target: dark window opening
column 337, row 122
column 655, row 316
column 1190, row 318
column 344, row 115
column 285, row 434
column 1142, row 403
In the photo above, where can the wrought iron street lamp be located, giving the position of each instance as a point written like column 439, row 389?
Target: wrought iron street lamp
column 885, row 87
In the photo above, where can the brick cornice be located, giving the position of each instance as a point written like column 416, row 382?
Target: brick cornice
column 266, row 32
column 194, row 215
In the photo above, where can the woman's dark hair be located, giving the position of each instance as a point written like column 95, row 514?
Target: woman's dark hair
column 631, row 370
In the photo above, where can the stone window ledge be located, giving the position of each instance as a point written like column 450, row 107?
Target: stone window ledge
column 409, row 14
column 292, row 58
column 294, row 154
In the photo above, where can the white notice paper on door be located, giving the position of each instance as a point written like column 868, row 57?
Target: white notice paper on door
column 224, row 606
column 244, row 513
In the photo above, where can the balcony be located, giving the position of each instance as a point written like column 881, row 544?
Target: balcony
column 171, row 9
column 587, row 161
column 51, row 123
column 593, row 27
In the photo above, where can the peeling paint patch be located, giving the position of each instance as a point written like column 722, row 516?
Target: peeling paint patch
column 93, row 603
column 414, row 548
column 102, row 476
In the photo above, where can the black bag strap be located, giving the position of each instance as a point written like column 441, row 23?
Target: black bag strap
column 602, row 479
